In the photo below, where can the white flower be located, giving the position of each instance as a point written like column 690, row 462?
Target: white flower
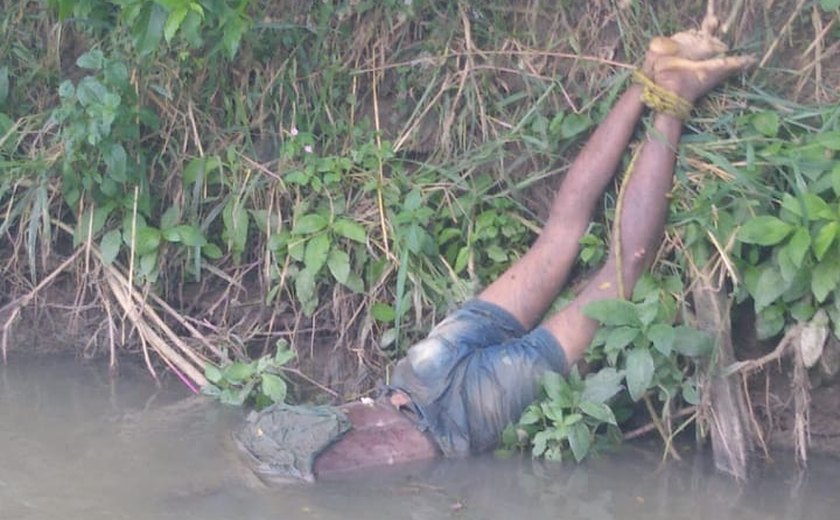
column 307, row 148
column 294, row 131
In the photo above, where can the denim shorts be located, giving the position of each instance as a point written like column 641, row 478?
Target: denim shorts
column 474, row 374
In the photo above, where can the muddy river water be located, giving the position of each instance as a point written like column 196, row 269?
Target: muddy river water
column 77, row 445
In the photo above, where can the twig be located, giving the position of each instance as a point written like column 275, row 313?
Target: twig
column 751, row 365
column 649, row 427
column 654, row 417
column 772, row 48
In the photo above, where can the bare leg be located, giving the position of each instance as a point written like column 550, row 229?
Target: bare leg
column 643, row 217
column 531, row 284
column 645, row 199
column 528, row 287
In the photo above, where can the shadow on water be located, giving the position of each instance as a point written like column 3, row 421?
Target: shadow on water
column 76, row 444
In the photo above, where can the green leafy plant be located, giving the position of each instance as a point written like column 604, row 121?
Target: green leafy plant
column 260, row 381
column 640, row 350
column 572, row 417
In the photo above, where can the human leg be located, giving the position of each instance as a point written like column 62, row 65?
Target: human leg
column 528, row 287
column 645, row 200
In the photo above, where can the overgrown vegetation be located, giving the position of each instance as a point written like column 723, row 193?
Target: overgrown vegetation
column 207, row 179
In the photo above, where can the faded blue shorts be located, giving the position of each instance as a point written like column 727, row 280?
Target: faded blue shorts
column 474, row 374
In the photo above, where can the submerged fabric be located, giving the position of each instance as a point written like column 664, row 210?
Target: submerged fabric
column 281, row 442
column 474, row 374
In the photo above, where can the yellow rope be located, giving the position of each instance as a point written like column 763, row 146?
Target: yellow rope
column 617, row 223
column 661, row 99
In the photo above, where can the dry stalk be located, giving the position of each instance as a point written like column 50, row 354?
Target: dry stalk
column 781, row 34
column 14, row 307
column 139, row 318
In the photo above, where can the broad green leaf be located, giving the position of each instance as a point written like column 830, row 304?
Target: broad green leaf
column 830, row 5
column 601, row 386
column 91, row 92
column 556, row 121
column 305, row 289
column 640, row 370
column 354, row 283
column 613, row 312
column 211, row 390
column 147, row 240
column 190, row 236
column 231, row 397
column 339, row 264
column 211, row 251
column 284, row 354
column 350, row 229
column 662, row 336
column 317, row 251
column 170, row 217
column 383, row 312
column 771, row 285
column 620, row 337
column 692, row 342
column 274, row 387
column 689, row 392
column 110, row 246
column 212, row 373
column 236, row 220
column 148, row 265
column 116, row 74
column 824, row 279
column 599, row 411
column 91, row 60
column 238, row 371
column 798, row 246
column 552, row 383
column 540, row 443
column 825, row 237
column 765, row 230
column 572, row 418
column 90, row 223
column 173, row 22
column 579, row 440
column 308, row 224
column 767, row 123
column 573, row 124
column 817, row 208
column 531, row 415
column 461, row 260
column 148, row 30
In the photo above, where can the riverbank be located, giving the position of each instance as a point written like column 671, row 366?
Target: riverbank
column 204, row 185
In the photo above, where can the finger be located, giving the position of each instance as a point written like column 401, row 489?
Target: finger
column 732, row 64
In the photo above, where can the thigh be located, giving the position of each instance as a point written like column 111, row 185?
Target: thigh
column 427, row 369
column 499, row 382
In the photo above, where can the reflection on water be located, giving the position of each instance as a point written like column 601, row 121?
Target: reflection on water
column 76, row 445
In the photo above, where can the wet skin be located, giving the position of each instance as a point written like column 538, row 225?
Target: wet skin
column 381, row 435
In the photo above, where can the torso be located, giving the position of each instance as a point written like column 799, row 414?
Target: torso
column 381, row 435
